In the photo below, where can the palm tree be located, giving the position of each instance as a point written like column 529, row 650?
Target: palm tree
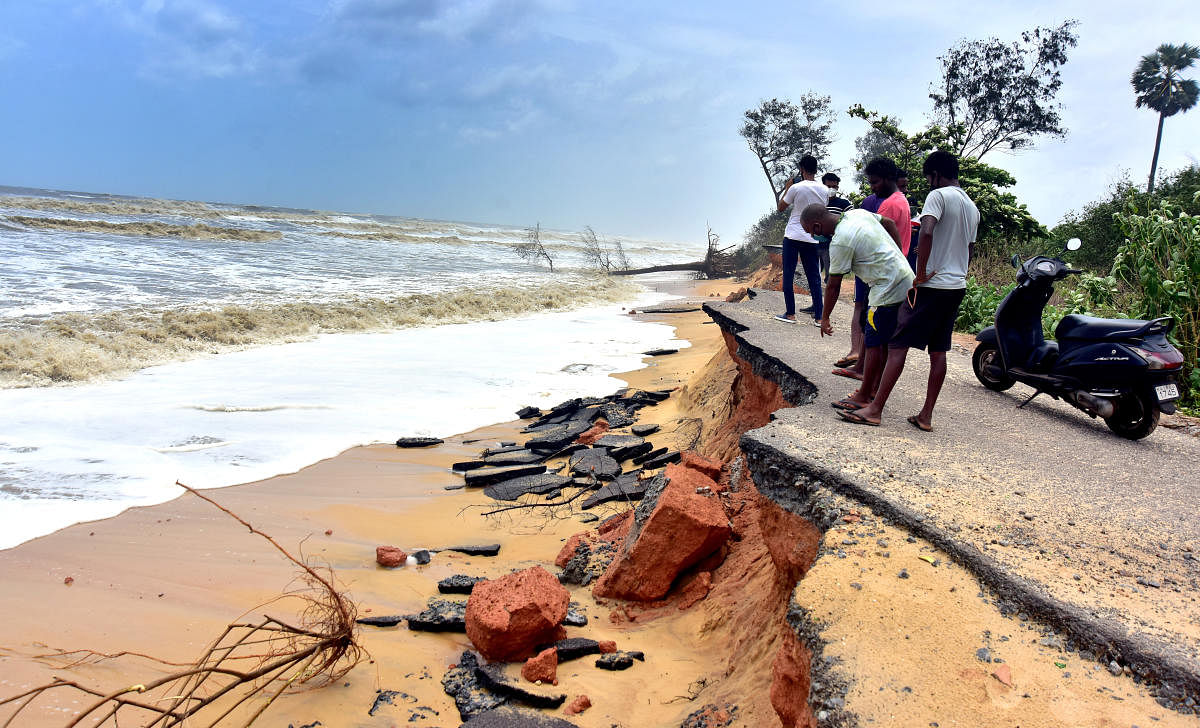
column 1159, row 86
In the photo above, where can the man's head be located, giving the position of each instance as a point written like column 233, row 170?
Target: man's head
column 831, row 180
column 816, row 219
column 881, row 175
column 902, row 182
column 940, row 169
column 808, row 166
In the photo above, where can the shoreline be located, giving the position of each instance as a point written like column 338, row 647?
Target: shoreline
column 166, row 579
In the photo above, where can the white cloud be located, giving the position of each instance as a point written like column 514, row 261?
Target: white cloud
column 190, row 38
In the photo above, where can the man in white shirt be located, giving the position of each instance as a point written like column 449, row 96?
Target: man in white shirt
column 798, row 243
column 949, row 221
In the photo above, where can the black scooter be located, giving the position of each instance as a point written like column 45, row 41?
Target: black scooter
column 1121, row 370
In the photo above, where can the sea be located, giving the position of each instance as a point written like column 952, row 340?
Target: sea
column 149, row 341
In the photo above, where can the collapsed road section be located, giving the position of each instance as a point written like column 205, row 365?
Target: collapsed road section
column 1087, row 533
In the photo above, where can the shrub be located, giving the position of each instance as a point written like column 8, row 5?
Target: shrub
column 767, row 231
column 1097, row 226
column 1160, row 261
column 978, row 309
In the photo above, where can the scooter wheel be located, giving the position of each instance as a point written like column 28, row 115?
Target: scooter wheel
column 989, row 370
column 1135, row 417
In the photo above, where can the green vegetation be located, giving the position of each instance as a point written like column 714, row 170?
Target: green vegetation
column 1096, row 224
column 1160, row 262
column 779, row 133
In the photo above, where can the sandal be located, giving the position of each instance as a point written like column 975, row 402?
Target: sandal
column 846, row 404
column 846, row 361
column 912, row 420
column 854, row 418
column 850, row 373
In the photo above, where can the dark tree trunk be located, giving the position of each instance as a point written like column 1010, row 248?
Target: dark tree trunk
column 1154, row 161
column 699, row 265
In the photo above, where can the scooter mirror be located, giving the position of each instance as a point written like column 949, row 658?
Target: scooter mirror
column 1074, row 244
column 1016, row 262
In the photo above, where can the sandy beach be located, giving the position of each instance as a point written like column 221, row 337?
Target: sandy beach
column 165, row 580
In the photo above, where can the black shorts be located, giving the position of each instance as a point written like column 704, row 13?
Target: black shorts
column 929, row 321
column 880, row 325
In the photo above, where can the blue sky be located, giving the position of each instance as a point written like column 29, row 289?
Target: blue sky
column 622, row 116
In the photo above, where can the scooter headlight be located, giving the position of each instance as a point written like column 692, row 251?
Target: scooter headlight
column 1046, row 266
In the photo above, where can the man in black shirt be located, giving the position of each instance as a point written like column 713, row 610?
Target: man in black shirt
column 836, row 205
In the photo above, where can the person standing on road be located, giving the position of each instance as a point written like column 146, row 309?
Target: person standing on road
column 837, row 205
column 797, row 243
column 949, row 221
column 866, row 244
column 902, row 185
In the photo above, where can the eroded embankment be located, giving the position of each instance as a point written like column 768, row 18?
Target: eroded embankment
column 777, row 539
column 816, row 497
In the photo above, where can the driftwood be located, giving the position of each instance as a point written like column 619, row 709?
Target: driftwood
column 717, row 263
column 249, row 661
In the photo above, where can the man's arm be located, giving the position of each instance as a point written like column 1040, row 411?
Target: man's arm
column 924, row 247
column 890, row 225
column 783, row 203
column 833, row 289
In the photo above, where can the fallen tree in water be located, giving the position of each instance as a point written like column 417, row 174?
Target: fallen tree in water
column 248, row 661
column 717, row 263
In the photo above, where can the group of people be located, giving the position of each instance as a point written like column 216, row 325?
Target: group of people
column 910, row 273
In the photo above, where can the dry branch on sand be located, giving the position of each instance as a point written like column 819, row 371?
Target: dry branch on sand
column 250, row 664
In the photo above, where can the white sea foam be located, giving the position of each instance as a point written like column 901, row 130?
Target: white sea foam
column 90, row 451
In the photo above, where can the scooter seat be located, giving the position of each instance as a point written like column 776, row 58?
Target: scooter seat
column 1076, row 326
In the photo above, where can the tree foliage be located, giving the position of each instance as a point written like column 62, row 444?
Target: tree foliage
column 996, row 94
column 780, row 132
column 1159, row 86
column 1001, row 216
column 875, row 144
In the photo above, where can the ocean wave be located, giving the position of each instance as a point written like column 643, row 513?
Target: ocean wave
column 197, row 231
column 78, row 347
column 140, row 206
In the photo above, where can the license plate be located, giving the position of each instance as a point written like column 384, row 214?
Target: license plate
column 1166, row 392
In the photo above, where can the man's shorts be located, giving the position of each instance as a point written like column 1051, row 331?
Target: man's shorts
column 881, row 325
column 929, row 320
column 861, row 290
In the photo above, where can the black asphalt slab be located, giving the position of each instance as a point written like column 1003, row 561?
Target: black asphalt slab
column 1068, row 523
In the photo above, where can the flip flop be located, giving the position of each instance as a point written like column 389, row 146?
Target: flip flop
column 846, row 404
column 912, row 420
column 854, row 418
column 850, row 373
column 846, row 361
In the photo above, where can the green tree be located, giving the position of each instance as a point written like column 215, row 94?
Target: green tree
column 1000, row 214
column 1160, row 87
column 779, row 132
column 1000, row 95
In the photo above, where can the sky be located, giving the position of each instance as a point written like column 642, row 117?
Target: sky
column 622, row 116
